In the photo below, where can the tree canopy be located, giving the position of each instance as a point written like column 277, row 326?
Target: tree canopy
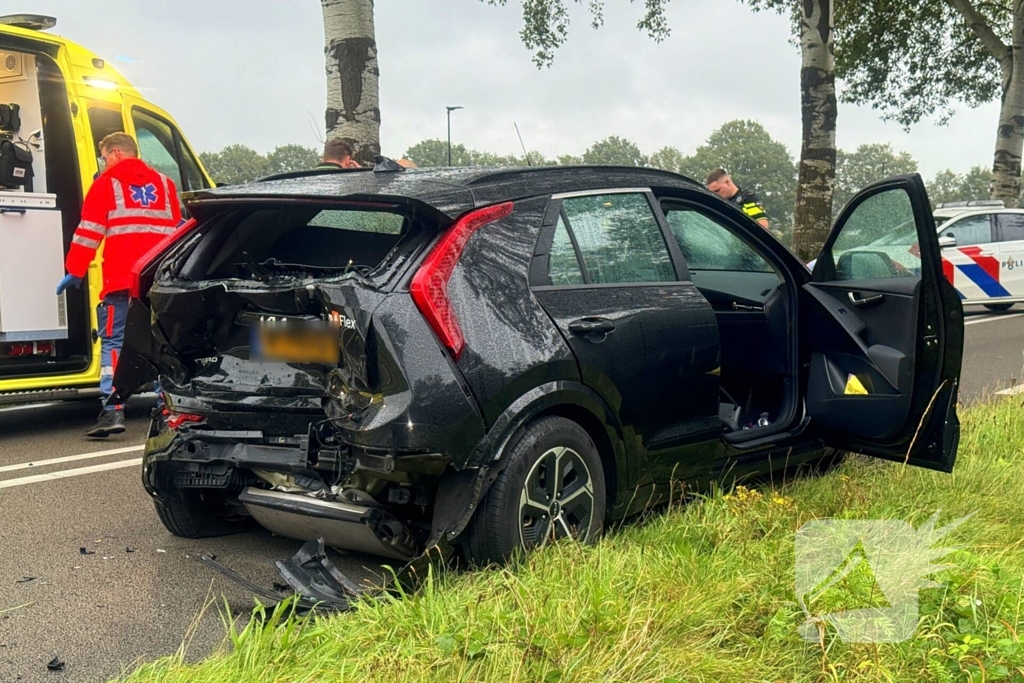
column 914, row 59
column 870, row 162
column 755, row 160
column 949, row 186
column 614, row 151
column 237, row 164
column 434, row 152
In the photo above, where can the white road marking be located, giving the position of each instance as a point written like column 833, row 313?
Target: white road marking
column 990, row 318
column 69, row 458
column 1012, row 391
column 29, row 406
column 63, row 474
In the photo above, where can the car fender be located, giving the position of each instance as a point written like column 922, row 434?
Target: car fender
column 462, row 487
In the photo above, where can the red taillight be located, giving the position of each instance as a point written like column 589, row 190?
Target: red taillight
column 135, row 275
column 429, row 286
column 175, row 420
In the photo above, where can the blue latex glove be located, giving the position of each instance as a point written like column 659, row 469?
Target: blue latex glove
column 67, row 282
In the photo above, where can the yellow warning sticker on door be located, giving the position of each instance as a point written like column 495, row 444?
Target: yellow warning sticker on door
column 854, row 386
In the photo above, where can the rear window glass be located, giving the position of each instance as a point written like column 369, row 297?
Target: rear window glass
column 360, row 221
column 257, row 243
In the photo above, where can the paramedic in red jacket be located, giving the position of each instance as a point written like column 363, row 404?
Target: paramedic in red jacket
column 130, row 207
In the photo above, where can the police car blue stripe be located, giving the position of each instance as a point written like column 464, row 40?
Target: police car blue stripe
column 979, row 277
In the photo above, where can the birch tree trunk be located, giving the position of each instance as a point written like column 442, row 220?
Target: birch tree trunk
column 1010, row 134
column 817, row 171
column 350, row 49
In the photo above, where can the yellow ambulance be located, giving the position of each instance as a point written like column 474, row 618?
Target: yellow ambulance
column 57, row 101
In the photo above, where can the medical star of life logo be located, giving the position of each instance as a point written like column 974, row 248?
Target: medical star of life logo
column 143, row 195
column 888, row 557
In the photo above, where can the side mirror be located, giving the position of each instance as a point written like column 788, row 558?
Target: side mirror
column 865, row 265
column 947, row 241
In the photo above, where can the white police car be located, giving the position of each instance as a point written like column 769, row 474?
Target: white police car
column 983, row 255
column 982, row 251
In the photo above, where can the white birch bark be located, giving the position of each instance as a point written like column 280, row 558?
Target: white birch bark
column 1006, row 162
column 350, row 51
column 1010, row 134
column 812, row 218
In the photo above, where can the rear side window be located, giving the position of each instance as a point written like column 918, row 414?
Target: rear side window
column 969, row 231
column 1011, row 227
column 619, row 238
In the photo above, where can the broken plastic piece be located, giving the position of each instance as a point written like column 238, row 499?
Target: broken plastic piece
column 25, row 579
column 210, row 562
column 55, row 664
column 281, row 587
column 129, row 549
column 86, row 551
column 313, row 576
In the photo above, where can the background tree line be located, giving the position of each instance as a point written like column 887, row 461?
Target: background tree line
column 744, row 148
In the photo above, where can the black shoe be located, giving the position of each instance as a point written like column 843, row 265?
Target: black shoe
column 110, row 422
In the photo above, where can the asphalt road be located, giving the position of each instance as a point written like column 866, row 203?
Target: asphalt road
column 105, row 611
column 139, row 593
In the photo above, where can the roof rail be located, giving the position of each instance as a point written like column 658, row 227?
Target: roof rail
column 32, row 22
column 971, row 202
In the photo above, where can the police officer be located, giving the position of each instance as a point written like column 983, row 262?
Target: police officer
column 131, row 208
column 338, row 154
column 720, row 182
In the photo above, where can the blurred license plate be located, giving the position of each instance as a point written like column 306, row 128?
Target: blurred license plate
column 303, row 342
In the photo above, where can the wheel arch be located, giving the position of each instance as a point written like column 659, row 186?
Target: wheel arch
column 598, row 432
column 464, row 484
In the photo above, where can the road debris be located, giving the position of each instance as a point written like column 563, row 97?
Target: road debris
column 55, row 664
column 86, row 551
column 25, row 579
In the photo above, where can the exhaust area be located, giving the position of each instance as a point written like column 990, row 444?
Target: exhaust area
column 341, row 525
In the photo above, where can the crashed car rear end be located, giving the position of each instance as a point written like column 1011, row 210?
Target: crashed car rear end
column 261, row 422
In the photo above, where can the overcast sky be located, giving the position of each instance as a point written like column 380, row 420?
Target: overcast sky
column 252, row 72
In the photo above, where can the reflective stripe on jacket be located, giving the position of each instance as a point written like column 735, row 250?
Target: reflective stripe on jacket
column 131, row 207
column 751, row 205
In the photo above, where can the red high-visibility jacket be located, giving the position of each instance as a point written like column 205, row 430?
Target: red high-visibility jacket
column 132, row 207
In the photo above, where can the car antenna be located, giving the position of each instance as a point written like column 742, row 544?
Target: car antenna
column 525, row 153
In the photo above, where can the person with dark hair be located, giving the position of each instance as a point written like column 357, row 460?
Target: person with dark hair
column 720, row 182
column 338, row 154
column 129, row 209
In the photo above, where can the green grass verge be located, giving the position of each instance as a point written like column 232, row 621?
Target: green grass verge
column 703, row 592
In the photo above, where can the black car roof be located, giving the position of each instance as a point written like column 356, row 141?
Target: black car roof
column 452, row 191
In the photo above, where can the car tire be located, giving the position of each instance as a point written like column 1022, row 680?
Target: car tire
column 197, row 513
column 190, row 516
column 512, row 517
column 998, row 307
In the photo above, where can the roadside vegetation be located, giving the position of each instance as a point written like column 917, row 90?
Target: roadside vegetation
column 702, row 592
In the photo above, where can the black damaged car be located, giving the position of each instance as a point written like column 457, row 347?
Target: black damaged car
column 390, row 359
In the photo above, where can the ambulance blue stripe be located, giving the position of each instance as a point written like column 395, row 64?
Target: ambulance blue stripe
column 978, row 276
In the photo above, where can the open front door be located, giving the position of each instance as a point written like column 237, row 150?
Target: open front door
column 882, row 330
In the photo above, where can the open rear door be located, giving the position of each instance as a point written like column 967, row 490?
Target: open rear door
column 883, row 331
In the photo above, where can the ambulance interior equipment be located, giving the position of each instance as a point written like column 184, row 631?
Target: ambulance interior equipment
column 41, row 333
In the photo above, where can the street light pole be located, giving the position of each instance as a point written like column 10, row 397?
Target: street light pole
column 450, row 110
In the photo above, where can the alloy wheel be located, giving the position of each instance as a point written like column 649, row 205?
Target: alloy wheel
column 557, row 500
